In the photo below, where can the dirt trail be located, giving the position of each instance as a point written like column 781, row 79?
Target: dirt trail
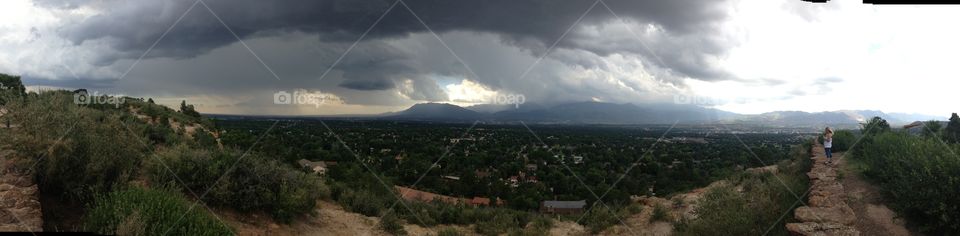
column 875, row 218
column 19, row 204
column 826, row 212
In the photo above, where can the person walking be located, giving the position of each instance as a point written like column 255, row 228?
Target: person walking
column 828, row 144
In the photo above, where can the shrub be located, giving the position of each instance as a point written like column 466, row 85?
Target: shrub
column 248, row 184
column 919, row 176
column 598, row 218
column 931, row 129
column 139, row 211
column 500, row 224
column 76, row 151
column 391, row 224
column 660, row 213
column 842, row 139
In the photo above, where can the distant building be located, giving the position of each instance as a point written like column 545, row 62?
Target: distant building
column 450, row 177
column 318, row 167
column 562, row 207
column 577, row 159
column 531, row 167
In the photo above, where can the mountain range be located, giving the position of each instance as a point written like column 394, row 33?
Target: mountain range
column 628, row 113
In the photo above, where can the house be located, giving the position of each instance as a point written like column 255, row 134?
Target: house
column 318, row 167
column 531, row 167
column 562, row 207
column 514, row 181
column 450, row 177
column 577, row 159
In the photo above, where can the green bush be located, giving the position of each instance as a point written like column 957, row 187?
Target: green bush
column 391, row 224
column 139, row 211
column 660, row 213
column 919, row 176
column 248, row 184
column 842, row 139
column 73, row 150
column 599, row 218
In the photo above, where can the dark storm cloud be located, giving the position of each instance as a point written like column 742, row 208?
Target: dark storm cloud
column 684, row 46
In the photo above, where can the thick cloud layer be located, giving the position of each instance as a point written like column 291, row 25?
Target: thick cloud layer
column 684, row 42
column 588, row 52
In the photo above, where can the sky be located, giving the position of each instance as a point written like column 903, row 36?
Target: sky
column 375, row 56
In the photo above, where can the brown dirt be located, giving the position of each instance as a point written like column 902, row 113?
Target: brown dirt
column 329, row 219
column 874, row 218
column 19, row 206
column 640, row 223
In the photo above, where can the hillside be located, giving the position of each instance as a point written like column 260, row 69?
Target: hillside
column 612, row 113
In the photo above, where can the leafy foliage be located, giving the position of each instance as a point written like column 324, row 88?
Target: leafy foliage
column 188, row 110
column 391, row 224
column 931, row 129
column 74, row 150
column 11, row 83
column 875, row 125
column 245, row 182
column 599, row 218
column 919, row 176
column 140, row 211
column 952, row 132
column 842, row 139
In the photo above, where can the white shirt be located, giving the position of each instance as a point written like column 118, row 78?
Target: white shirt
column 827, row 142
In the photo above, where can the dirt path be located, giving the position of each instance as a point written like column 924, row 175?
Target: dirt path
column 19, row 205
column 826, row 212
column 874, row 217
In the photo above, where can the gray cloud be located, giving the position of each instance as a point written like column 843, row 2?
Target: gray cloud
column 685, row 45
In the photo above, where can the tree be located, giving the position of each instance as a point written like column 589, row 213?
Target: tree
column 188, row 109
column 150, row 100
column 876, row 125
column 931, row 128
column 10, row 88
column 10, row 82
column 952, row 132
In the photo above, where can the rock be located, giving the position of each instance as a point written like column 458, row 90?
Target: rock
column 821, row 229
column 827, row 212
column 19, row 204
column 839, row 214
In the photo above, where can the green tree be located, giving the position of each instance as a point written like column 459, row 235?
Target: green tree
column 10, row 87
column 876, row 125
column 952, row 132
column 931, row 128
column 11, row 82
column 188, row 109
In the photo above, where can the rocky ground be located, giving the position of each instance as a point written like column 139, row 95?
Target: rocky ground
column 19, row 203
column 826, row 212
